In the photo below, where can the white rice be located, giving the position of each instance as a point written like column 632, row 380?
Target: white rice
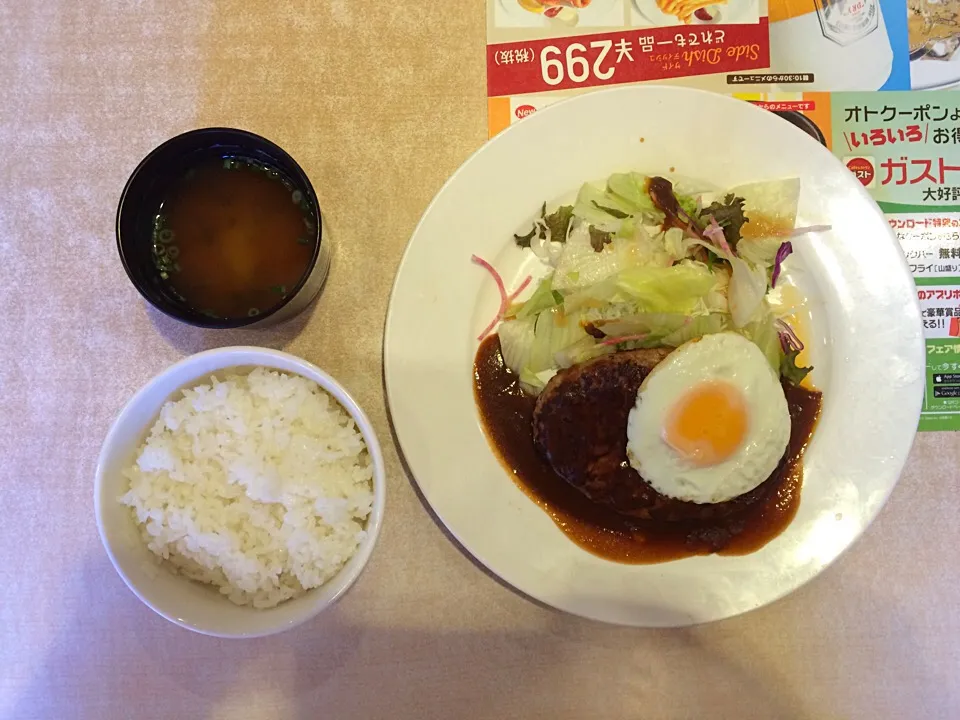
column 259, row 484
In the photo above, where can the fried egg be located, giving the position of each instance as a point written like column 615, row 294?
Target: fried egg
column 710, row 422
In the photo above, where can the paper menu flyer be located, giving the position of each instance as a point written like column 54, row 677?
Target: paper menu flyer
column 905, row 149
column 541, row 51
column 537, row 46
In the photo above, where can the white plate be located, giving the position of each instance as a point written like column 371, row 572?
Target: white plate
column 932, row 74
column 733, row 11
column 866, row 331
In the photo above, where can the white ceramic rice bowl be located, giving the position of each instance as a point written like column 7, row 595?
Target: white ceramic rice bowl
column 189, row 604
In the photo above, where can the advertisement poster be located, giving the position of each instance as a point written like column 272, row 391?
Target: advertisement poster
column 904, row 147
column 541, row 51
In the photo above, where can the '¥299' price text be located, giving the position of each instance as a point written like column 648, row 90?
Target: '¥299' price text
column 586, row 61
column 597, row 61
column 578, row 62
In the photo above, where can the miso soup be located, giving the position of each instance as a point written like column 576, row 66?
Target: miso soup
column 233, row 237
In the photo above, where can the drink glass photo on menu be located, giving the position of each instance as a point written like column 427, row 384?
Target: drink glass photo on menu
column 833, row 45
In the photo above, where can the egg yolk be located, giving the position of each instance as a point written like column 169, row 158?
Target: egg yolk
column 707, row 424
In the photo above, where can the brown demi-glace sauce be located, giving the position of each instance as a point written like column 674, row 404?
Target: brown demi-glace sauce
column 507, row 414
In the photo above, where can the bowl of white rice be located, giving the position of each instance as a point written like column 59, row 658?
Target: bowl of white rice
column 240, row 492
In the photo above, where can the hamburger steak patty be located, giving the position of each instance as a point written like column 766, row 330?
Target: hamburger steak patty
column 580, row 427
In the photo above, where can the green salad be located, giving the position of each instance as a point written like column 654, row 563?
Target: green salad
column 638, row 262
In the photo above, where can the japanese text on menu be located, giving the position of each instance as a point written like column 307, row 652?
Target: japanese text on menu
column 905, row 148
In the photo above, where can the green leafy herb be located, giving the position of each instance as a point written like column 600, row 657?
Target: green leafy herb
column 540, row 227
column 558, row 222
column 729, row 215
column 558, row 297
column 789, row 369
column 524, row 240
column 599, row 238
column 688, row 204
column 619, row 214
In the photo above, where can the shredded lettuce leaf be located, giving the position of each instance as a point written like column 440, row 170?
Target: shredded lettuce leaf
column 748, row 285
column 763, row 333
column 624, row 276
column 774, row 200
column 530, row 344
column 654, row 325
column 554, row 331
column 598, row 295
column 533, row 383
column 590, row 205
column 674, row 289
column 586, row 348
column 677, row 244
column 716, row 300
column 580, row 265
column 762, row 252
column 628, row 229
column 696, row 328
column 516, row 342
column 631, row 188
column 543, row 298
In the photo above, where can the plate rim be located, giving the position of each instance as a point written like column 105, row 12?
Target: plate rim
column 920, row 64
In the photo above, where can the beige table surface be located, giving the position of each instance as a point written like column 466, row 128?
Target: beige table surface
column 380, row 102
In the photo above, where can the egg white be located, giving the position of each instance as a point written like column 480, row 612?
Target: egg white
column 726, row 357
